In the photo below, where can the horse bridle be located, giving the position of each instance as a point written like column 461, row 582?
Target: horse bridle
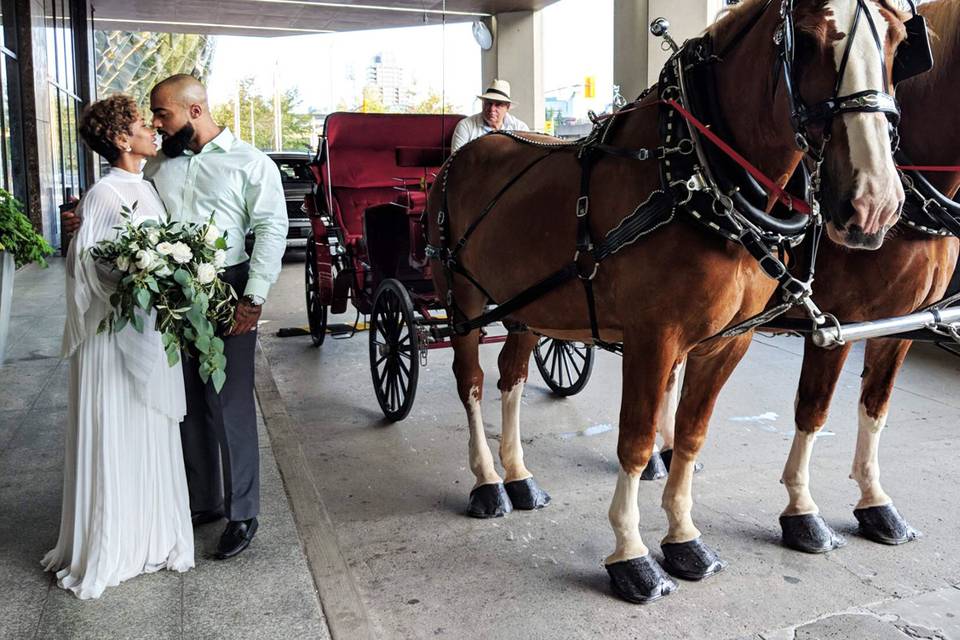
column 913, row 57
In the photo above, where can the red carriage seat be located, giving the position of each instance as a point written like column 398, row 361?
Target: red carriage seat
column 369, row 156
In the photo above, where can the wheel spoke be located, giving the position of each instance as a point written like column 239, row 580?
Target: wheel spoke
column 566, row 367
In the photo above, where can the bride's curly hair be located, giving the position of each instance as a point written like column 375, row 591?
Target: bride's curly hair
column 104, row 120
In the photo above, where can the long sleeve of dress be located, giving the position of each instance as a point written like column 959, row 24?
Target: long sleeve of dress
column 87, row 281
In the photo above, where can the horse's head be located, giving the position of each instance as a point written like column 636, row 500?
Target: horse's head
column 844, row 56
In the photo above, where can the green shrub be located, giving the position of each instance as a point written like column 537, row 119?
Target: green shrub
column 17, row 234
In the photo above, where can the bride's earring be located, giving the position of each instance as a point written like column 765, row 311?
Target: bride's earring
column 128, row 149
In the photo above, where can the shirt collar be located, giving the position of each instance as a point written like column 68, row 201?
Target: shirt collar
column 224, row 141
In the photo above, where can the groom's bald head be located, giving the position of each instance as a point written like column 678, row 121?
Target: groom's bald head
column 181, row 113
column 183, row 89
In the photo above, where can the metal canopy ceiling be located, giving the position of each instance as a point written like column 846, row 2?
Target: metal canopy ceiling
column 291, row 17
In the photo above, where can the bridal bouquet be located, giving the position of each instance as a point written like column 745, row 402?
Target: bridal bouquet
column 172, row 268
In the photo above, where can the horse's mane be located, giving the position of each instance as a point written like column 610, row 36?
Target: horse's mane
column 943, row 16
column 725, row 27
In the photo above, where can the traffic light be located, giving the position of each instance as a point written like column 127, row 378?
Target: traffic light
column 590, row 87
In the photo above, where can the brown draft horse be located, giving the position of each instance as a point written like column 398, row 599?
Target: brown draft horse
column 667, row 292
column 910, row 271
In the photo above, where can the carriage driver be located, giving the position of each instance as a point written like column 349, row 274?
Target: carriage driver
column 493, row 117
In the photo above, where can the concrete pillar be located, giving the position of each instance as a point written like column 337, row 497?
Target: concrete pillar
column 517, row 57
column 688, row 19
column 630, row 35
column 638, row 56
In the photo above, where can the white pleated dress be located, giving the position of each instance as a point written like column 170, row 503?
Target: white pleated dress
column 126, row 509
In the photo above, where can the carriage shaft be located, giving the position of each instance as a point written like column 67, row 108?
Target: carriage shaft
column 833, row 336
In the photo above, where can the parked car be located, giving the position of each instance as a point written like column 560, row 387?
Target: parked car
column 297, row 183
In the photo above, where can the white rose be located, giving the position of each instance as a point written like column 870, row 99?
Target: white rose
column 145, row 259
column 219, row 258
column 134, row 247
column 181, row 253
column 206, row 272
column 153, row 236
column 212, row 235
column 164, row 248
column 123, row 263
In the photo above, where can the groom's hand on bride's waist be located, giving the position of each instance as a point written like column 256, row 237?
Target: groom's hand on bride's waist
column 245, row 318
column 69, row 220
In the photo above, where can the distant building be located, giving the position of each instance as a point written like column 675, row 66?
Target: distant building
column 388, row 78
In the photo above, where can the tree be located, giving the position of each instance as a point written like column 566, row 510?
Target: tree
column 433, row 103
column 295, row 127
column 133, row 62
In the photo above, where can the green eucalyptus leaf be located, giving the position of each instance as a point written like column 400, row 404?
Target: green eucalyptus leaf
column 219, row 379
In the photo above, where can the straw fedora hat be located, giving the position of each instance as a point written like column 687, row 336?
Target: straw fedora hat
column 499, row 90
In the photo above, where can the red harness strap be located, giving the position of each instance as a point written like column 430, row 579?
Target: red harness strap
column 794, row 203
column 933, row 168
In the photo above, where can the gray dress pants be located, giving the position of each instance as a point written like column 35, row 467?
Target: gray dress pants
column 219, row 433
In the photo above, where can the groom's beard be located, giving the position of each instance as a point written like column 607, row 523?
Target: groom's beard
column 176, row 143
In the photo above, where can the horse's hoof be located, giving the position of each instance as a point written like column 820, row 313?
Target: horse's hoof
column 640, row 580
column 489, row 501
column 809, row 533
column 885, row 525
column 667, row 456
column 527, row 495
column 691, row 560
column 655, row 469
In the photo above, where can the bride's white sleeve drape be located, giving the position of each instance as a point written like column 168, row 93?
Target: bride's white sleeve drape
column 90, row 285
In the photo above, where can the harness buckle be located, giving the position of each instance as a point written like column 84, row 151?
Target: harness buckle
column 581, row 270
column 583, row 205
column 802, row 142
column 441, row 216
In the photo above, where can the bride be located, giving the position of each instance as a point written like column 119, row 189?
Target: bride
column 125, row 505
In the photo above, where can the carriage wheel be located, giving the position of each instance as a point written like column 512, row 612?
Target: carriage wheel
column 316, row 312
column 565, row 366
column 394, row 350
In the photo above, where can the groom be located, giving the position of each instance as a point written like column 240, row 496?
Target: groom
column 204, row 169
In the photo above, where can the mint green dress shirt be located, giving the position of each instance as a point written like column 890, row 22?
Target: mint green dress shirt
column 240, row 185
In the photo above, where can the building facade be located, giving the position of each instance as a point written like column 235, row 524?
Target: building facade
column 45, row 79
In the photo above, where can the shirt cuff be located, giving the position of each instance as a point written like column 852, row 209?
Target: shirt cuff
column 257, row 287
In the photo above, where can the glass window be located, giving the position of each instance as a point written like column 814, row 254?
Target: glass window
column 294, row 169
column 12, row 177
column 67, row 163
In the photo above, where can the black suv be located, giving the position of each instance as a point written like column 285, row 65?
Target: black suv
column 297, row 183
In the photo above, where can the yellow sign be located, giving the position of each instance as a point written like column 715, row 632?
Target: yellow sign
column 590, row 87
column 548, row 127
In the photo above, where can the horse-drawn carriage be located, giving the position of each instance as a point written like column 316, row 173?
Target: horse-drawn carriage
column 367, row 248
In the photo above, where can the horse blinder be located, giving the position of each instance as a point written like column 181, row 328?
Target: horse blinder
column 914, row 55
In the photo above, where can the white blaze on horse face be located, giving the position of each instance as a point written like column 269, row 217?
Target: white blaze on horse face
column 796, row 475
column 625, row 519
column 877, row 192
column 481, row 460
column 511, row 449
column 866, row 461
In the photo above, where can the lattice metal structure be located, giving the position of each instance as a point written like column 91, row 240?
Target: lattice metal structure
column 132, row 62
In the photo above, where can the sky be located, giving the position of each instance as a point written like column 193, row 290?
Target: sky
column 329, row 68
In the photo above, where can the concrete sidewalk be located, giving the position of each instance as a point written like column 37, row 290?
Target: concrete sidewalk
column 267, row 592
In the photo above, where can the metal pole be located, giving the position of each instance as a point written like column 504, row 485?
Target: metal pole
column 832, row 336
column 253, row 126
column 236, row 112
column 277, row 119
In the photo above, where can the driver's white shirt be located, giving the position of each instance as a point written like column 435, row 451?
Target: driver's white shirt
column 473, row 127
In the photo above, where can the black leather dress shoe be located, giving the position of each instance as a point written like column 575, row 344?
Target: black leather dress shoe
column 204, row 517
column 236, row 537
